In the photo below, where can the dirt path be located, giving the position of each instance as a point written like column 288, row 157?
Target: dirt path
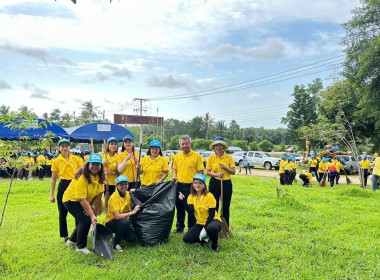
column 272, row 173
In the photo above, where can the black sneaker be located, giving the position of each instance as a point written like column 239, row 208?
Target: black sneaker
column 216, row 250
column 178, row 230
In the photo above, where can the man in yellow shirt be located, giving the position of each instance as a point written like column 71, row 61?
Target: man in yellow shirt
column 281, row 170
column 376, row 174
column 364, row 165
column 186, row 164
column 41, row 165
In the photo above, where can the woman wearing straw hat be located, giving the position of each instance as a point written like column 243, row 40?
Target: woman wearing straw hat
column 154, row 167
column 220, row 166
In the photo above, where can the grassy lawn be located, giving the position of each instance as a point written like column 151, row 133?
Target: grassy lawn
column 314, row 233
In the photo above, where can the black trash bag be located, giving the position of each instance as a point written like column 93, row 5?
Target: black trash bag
column 102, row 241
column 154, row 221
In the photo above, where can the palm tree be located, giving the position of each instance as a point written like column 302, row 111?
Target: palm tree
column 220, row 128
column 27, row 111
column 89, row 112
column 207, row 124
column 4, row 110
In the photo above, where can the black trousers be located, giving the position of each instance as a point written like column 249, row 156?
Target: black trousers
column 41, row 172
column 337, row 178
column 23, row 173
column 304, row 178
column 321, row 176
column 365, row 176
column 82, row 221
column 289, row 177
column 48, row 171
column 122, row 229
column 282, row 178
column 111, row 189
column 213, row 228
column 214, row 188
column 182, row 207
column 62, row 186
column 332, row 176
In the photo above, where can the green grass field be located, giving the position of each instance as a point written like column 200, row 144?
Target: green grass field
column 314, row 233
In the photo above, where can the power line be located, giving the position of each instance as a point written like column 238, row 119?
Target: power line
column 194, row 94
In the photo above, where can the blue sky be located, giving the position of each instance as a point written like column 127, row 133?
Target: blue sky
column 54, row 54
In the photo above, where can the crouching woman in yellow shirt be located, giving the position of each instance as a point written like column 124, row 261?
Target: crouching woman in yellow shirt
column 203, row 204
column 84, row 189
column 119, row 212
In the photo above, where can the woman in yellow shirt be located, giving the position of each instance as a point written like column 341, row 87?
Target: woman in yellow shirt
column 119, row 212
column 85, row 188
column 127, row 161
column 110, row 163
column 63, row 168
column 203, row 204
column 220, row 166
column 154, row 167
column 281, row 170
column 322, row 168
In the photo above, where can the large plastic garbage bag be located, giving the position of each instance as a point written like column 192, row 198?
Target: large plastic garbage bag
column 154, row 221
column 102, row 241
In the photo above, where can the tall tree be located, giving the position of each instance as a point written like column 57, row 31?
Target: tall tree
column 27, row 111
column 89, row 112
column 303, row 110
column 362, row 65
column 207, row 124
column 55, row 115
column 220, row 128
column 234, row 130
column 4, row 110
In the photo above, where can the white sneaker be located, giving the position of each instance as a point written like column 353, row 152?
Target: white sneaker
column 84, row 251
column 70, row 243
column 117, row 248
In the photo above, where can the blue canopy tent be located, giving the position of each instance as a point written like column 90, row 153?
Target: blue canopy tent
column 98, row 131
column 36, row 131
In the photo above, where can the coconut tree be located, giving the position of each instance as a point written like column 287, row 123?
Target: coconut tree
column 89, row 112
column 207, row 124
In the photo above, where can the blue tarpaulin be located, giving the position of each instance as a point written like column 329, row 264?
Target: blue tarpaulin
column 98, row 131
column 33, row 133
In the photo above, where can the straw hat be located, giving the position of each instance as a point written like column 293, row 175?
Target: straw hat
column 218, row 140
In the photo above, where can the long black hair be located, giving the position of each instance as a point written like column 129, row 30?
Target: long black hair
column 85, row 171
column 133, row 147
column 148, row 153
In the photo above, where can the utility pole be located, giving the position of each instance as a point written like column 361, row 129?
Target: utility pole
column 74, row 118
column 104, row 112
column 141, row 110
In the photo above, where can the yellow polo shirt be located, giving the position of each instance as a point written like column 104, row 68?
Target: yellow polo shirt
column 112, row 165
column 81, row 189
column 295, row 164
column 187, row 166
column 323, row 166
column 130, row 168
column 338, row 166
column 66, row 168
column 281, row 166
column 172, row 158
column 214, row 161
column 288, row 166
column 365, row 164
column 153, row 169
column 41, row 159
column 309, row 176
column 201, row 207
column 49, row 161
column 376, row 167
column 117, row 203
column 31, row 161
column 313, row 162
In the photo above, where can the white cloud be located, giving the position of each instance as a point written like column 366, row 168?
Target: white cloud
column 254, row 96
column 36, row 92
column 4, row 85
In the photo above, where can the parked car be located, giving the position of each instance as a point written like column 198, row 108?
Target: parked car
column 205, row 156
column 258, row 158
column 351, row 165
column 232, row 150
column 370, row 158
column 289, row 150
column 238, row 157
column 298, row 157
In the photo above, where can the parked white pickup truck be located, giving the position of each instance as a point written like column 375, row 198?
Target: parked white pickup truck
column 258, row 158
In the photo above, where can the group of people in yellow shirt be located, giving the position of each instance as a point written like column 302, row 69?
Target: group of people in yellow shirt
column 42, row 163
column 82, row 184
column 287, row 170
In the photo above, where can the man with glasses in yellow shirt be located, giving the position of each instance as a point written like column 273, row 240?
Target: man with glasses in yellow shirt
column 186, row 164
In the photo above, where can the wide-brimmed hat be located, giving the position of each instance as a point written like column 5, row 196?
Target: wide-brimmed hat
column 218, row 140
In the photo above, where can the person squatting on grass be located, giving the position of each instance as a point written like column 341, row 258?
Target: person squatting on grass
column 110, row 163
column 86, row 188
column 154, row 166
column 63, row 167
column 186, row 164
column 127, row 161
column 220, row 166
column 119, row 212
column 203, row 204
column 307, row 178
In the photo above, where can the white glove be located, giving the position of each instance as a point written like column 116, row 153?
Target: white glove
column 203, row 235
